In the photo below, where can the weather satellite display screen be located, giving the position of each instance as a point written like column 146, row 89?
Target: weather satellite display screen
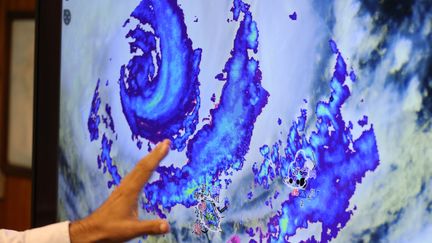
column 290, row 120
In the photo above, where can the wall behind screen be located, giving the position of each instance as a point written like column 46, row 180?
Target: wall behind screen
column 15, row 207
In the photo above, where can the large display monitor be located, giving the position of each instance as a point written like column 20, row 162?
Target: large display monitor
column 289, row 120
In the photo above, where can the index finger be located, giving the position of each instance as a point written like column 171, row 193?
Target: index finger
column 139, row 176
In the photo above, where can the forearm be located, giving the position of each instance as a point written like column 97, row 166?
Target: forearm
column 83, row 231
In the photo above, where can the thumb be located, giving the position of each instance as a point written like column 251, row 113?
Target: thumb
column 150, row 227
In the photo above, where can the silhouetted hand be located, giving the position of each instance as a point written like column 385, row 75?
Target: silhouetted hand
column 117, row 219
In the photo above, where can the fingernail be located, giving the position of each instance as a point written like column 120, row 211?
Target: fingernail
column 163, row 227
column 165, row 144
column 161, row 145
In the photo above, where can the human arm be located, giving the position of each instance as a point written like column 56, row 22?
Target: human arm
column 58, row 233
column 117, row 218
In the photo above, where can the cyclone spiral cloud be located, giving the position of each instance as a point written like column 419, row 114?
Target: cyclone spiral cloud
column 215, row 148
column 159, row 89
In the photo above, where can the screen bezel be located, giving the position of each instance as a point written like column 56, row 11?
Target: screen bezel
column 46, row 112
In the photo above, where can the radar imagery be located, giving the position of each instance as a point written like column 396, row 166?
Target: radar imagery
column 294, row 121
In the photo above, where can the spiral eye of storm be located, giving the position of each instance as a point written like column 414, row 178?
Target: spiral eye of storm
column 159, row 85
